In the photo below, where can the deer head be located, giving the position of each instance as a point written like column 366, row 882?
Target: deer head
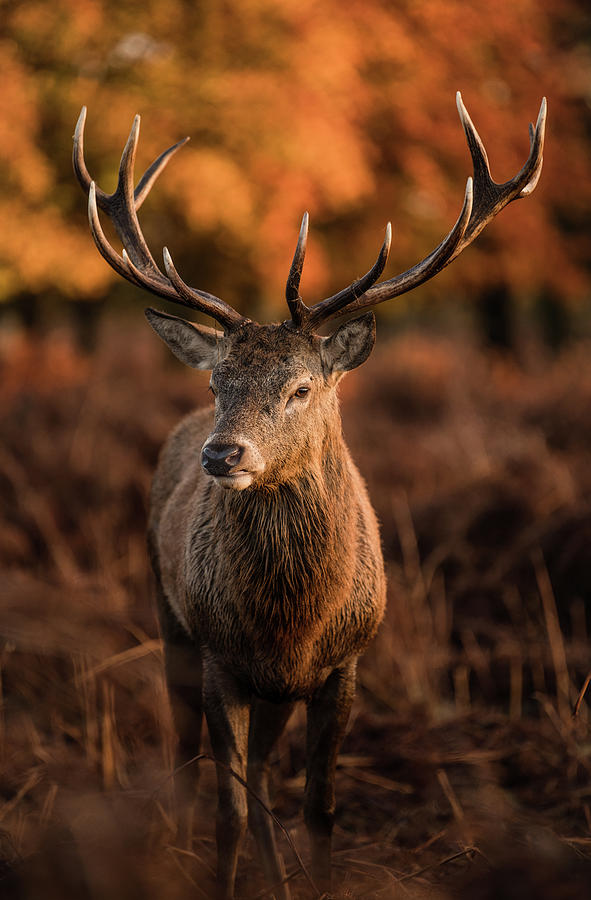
column 274, row 384
column 275, row 403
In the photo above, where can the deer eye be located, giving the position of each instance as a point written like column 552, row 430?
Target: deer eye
column 301, row 392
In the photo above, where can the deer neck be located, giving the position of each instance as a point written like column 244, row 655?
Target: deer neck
column 289, row 540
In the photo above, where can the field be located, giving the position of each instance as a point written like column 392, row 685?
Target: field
column 464, row 773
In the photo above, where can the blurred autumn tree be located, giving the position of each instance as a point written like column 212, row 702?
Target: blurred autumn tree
column 292, row 105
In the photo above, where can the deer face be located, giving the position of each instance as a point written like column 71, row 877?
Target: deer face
column 274, row 388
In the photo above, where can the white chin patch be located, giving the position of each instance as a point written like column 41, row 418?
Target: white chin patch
column 237, row 482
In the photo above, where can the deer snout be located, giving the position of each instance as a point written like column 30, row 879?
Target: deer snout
column 233, row 465
column 219, row 459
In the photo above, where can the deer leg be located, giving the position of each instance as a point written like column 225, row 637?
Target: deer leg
column 267, row 722
column 184, row 678
column 328, row 713
column 227, row 709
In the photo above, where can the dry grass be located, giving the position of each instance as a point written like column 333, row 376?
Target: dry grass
column 464, row 773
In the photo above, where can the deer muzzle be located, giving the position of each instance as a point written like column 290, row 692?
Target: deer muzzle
column 220, row 459
column 232, row 465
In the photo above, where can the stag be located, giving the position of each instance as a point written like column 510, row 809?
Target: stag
column 264, row 544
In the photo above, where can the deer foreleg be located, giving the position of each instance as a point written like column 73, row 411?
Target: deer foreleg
column 227, row 709
column 267, row 722
column 328, row 712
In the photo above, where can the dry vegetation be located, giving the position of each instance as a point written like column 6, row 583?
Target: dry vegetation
column 463, row 775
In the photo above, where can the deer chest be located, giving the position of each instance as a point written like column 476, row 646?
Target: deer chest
column 280, row 642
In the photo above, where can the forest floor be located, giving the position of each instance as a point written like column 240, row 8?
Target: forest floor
column 464, row 773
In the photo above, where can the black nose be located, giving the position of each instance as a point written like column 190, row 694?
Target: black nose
column 219, row 459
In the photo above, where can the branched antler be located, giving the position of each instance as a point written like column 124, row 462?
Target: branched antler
column 483, row 199
column 136, row 263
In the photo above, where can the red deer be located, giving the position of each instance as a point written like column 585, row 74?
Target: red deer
column 263, row 541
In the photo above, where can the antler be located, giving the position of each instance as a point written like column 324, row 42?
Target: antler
column 483, row 199
column 136, row 263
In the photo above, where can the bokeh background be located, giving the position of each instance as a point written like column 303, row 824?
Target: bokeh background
column 464, row 773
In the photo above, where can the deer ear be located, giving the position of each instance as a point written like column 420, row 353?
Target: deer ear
column 195, row 345
column 349, row 345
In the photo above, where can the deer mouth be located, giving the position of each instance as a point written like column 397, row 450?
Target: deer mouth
column 237, row 481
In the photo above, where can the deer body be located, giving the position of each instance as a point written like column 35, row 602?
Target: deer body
column 265, row 547
column 282, row 584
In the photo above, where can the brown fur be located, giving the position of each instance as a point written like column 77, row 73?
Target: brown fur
column 281, row 585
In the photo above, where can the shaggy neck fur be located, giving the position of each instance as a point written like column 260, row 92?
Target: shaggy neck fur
column 289, row 540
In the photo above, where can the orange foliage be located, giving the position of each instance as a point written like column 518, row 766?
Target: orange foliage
column 293, row 106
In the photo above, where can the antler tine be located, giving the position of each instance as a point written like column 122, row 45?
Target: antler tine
column 116, row 261
column 223, row 312
column 424, row 270
column 144, row 185
column 137, row 264
column 328, row 308
column 536, row 139
column 480, row 164
column 121, row 207
column 484, row 198
column 80, row 170
column 292, row 288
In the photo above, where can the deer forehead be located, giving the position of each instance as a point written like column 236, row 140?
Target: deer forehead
column 270, row 356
